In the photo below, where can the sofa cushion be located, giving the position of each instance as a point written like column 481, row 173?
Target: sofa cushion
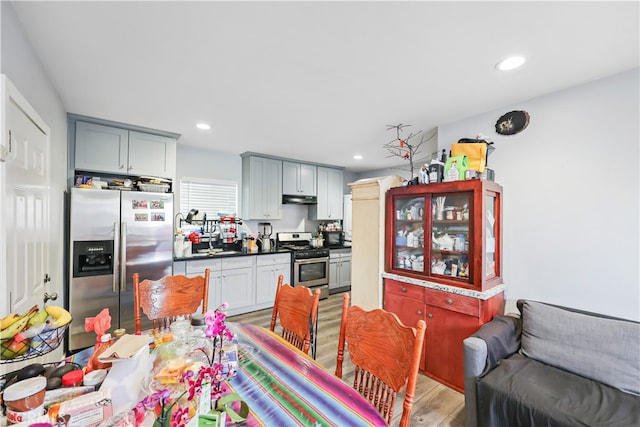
column 522, row 391
column 601, row 348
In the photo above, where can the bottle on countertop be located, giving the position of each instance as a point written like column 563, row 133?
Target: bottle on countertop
column 94, row 362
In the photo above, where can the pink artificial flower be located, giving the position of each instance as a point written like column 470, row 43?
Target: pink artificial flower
column 180, row 417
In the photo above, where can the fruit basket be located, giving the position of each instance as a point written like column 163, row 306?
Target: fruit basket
column 38, row 345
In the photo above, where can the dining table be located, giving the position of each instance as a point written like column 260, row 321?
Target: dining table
column 283, row 386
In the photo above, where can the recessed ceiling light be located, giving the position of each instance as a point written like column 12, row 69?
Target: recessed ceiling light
column 510, row 63
column 358, row 156
column 203, row 126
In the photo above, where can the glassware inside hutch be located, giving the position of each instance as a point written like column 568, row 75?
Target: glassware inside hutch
column 447, row 233
column 450, row 234
column 409, row 233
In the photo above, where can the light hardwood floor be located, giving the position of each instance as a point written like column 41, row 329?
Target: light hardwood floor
column 434, row 404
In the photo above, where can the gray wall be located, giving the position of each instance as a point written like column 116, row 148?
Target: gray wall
column 21, row 65
column 571, row 217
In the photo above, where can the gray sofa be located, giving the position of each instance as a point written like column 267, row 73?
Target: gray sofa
column 553, row 366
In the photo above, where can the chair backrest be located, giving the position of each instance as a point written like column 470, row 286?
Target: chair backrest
column 297, row 310
column 162, row 301
column 385, row 354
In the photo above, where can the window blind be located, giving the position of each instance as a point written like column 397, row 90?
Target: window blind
column 208, row 196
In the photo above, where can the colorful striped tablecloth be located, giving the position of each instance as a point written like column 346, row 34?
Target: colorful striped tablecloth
column 284, row 387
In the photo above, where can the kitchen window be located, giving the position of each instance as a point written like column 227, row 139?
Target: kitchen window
column 208, row 196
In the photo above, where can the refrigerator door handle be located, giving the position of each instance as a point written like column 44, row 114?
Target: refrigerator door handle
column 116, row 255
column 123, row 257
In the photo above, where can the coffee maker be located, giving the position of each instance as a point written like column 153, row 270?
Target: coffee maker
column 264, row 236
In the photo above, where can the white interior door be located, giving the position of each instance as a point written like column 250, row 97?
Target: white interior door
column 25, row 191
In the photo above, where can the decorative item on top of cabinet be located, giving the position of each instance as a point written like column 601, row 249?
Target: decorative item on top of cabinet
column 110, row 149
column 261, row 187
column 448, row 233
column 329, row 206
column 401, row 146
column 298, row 179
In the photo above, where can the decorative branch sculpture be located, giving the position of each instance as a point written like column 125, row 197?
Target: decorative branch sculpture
column 403, row 147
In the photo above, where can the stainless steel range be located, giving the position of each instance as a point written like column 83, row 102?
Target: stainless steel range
column 310, row 265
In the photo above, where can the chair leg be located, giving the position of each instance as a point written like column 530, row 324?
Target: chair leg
column 343, row 324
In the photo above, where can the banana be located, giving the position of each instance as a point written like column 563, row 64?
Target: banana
column 18, row 325
column 60, row 316
column 38, row 318
column 8, row 320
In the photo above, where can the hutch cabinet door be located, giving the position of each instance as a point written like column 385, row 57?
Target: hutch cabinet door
column 447, row 233
column 444, row 358
column 407, row 302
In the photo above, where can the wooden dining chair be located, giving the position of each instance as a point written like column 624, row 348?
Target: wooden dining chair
column 165, row 299
column 297, row 309
column 385, row 354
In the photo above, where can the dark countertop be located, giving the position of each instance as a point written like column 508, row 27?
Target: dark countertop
column 340, row 248
column 230, row 254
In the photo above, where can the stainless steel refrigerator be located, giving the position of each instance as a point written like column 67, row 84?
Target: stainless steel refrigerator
column 114, row 234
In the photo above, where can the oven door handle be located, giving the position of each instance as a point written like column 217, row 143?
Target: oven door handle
column 311, row 260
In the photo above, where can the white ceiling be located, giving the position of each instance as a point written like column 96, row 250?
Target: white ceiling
column 318, row 81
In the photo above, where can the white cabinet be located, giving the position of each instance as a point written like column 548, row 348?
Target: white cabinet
column 237, row 284
column 269, row 267
column 339, row 269
column 261, row 188
column 298, row 179
column 367, row 249
column 120, row 151
column 329, row 205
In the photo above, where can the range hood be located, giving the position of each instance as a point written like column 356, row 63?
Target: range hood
column 289, row 199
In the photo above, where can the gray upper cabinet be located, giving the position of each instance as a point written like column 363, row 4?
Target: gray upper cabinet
column 151, row 155
column 120, row 151
column 298, row 179
column 261, row 188
column 330, row 198
column 101, row 148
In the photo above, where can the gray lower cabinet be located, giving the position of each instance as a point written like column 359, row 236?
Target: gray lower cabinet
column 238, row 284
column 339, row 269
column 246, row 283
column 269, row 267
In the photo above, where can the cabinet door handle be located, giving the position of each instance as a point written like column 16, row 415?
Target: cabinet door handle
column 430, row 316
column 450, row 301
column 404, row 289
column 121, row 166
column 420, row 312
